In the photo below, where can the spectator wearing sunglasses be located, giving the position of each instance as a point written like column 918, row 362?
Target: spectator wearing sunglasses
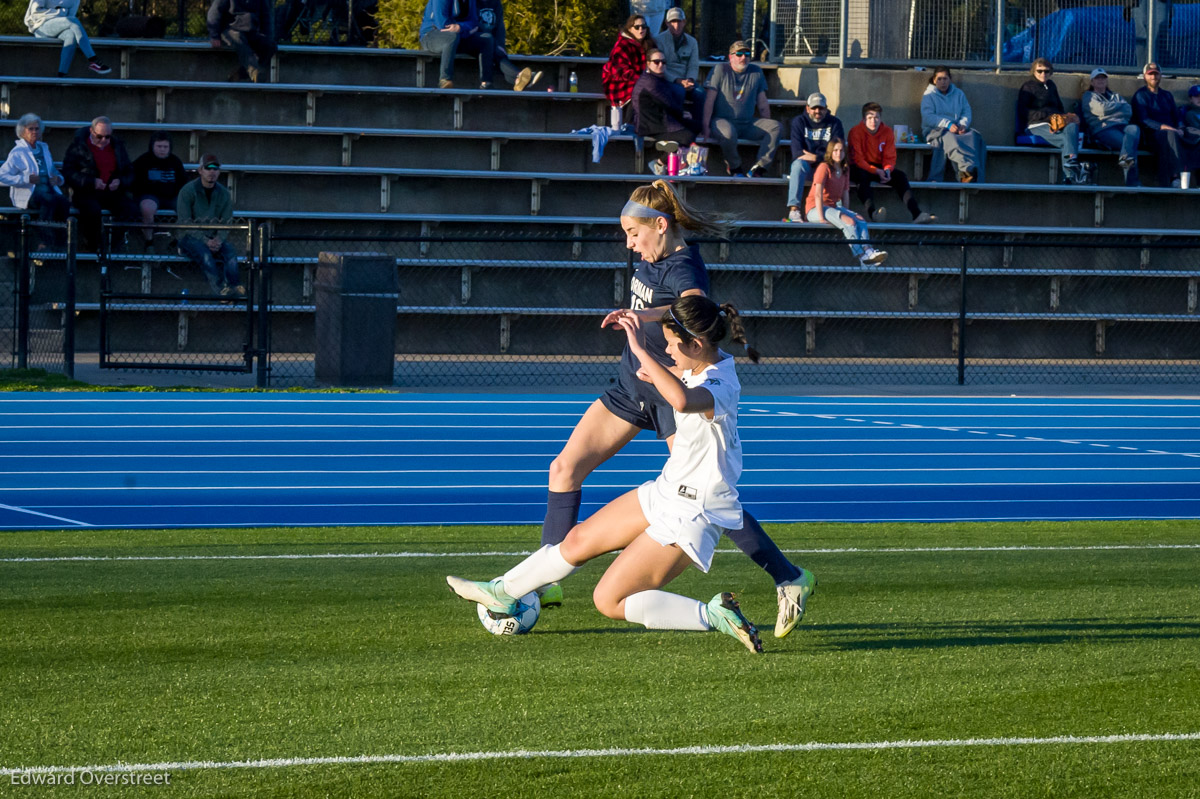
column 658, row 111
column 1040, row 112
column 96, row 166
column 1155, row 112
column 625, row 65
column 652, row 11
column 735, row 106
column 206, row 200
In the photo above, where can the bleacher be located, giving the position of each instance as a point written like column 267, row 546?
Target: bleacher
column 350, row 142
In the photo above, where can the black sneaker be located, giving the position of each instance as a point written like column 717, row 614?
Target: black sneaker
column 757, row 171
column 98, row 67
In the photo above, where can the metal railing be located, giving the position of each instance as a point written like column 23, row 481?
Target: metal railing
column 522, row 311
column 1120, row 35
column 38, row 324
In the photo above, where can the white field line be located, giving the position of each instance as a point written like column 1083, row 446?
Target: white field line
column 523, row 553
column 546, row 754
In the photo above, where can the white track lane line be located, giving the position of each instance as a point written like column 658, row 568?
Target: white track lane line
column 15, row 509
column 524, row 553
column 547, row 754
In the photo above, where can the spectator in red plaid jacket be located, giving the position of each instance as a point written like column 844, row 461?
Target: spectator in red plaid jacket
column 626, row 63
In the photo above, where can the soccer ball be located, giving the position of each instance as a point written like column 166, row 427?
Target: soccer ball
column 529, row 607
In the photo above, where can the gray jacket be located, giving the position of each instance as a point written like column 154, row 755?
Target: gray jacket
column 42, row 11
column 940, row 111
column 1101, row 112
column 681, row 63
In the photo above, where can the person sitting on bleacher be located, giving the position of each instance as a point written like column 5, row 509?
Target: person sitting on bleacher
column 626, row 63
column 735, row 107
column 450, row 26
column 33, row 182
column 873, row 160
column 1040, row 113
column 1107, row 119
column 812, row 130
column 658, row 113
column 97, row 168
column 1191, row 127
column 248, row 26
column 205, row 200
column 55, row 19
column 829, row 203
column 682, row 53
column 158, row 175
column 1154, row 110
column 491, row 25
column 946, row 126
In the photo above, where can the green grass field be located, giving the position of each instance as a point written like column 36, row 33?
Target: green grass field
column 181, row 660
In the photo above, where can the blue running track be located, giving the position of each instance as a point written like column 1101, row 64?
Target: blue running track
column 201, row 460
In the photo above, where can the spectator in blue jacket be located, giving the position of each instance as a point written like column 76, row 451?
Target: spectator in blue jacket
column 1154, row 110
column 811, row 133
column 451, row 26
column 248, row 26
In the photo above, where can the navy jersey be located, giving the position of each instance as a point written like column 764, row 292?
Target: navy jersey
column 659, row 284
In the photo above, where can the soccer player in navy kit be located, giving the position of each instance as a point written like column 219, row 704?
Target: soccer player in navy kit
column 654, row 221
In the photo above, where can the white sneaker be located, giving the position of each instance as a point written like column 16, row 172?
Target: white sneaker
column 924, row 218
column 794, row 215
column 872, row 257
column 792, row 597
column 524, row 78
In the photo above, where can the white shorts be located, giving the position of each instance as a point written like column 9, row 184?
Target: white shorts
column 682, row 525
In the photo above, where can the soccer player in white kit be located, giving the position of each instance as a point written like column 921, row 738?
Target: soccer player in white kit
column 674, row 521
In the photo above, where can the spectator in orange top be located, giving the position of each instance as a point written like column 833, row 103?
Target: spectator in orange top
column 873, row 160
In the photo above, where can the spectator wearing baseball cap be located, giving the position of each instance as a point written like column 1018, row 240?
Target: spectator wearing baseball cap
column 1108, row 120
column 811, row 132
column 735, row 106
column 680, row 50
column 204, row 200
column 1155, row 112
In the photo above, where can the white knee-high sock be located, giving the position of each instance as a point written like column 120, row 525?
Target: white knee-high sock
column 543, row 567
column 662, row 610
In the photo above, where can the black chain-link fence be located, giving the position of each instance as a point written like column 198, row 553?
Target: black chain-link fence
column 38, row 266
column 523, row 311
column 177, row 297
column 507, row 312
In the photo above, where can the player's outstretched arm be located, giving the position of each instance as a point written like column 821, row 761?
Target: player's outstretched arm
column 679, row 396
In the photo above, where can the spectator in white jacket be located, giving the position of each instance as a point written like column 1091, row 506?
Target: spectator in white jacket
column 1108, row 119
column 33, row 182
column 55, row 19
column 946, row 124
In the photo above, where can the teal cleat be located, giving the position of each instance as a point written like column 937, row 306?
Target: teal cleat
column 725, row 614
column 489, row 594
column 551, row 595
column 792, row 598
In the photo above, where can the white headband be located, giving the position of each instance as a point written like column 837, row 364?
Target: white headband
column 639, row 211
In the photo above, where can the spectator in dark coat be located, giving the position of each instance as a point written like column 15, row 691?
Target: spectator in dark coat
column 812, row 130
column 1040, row 112
column 658, row 112
column 248, row 26
column 491, row 25
column 625, row 65
column 158, row 175
column 449, row 27
column 1155, row 112
column 96, row 166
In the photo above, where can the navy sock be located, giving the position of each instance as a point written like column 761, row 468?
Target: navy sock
column 754, row 541
column 562, row 513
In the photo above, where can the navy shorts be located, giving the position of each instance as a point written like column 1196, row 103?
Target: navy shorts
column 641, row 405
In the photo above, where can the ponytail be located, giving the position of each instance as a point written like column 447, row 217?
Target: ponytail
column 662, row 198
column 696, row 316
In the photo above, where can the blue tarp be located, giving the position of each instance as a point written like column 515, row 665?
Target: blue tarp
column 1102, row 36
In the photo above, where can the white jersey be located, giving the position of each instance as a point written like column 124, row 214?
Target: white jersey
column 706, row 457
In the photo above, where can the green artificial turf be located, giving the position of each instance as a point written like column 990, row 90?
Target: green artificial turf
column 147, row 661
